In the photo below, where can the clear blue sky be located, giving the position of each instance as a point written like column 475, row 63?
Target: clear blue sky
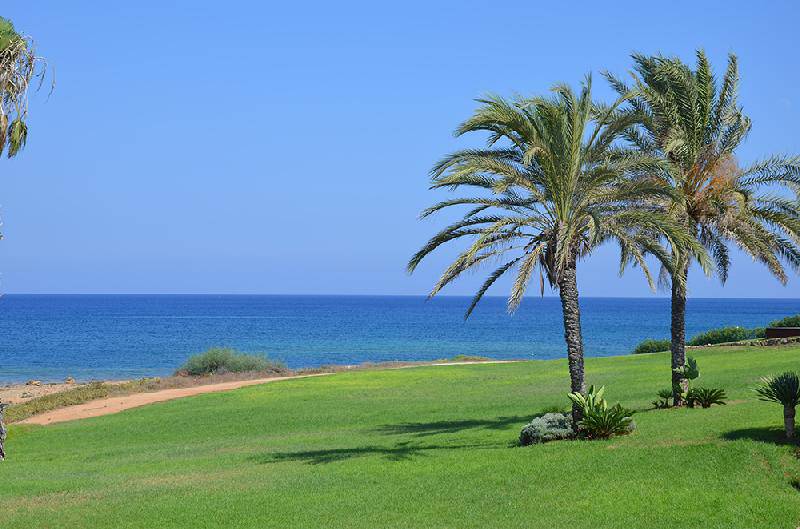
column 283, row 147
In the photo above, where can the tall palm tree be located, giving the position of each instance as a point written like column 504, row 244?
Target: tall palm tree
column 19, row 67
column 551, row 185
column 683, row 117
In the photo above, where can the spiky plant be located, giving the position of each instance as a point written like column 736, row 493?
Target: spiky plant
column 683, row 116
column 550, row 187
column 783, row 389
column 706, row 397
column 19, row 68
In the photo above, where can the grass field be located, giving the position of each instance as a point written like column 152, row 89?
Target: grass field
column 416, row 448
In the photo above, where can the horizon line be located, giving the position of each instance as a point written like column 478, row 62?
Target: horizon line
column 654, row 296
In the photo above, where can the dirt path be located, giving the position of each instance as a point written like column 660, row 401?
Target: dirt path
column 96, row 408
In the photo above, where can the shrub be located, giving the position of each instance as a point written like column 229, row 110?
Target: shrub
column 652, row 346
column 548, row 427
column 705, row 397
column 723, row 335
column 223, row 360
column 599, row 420
column 789, row 321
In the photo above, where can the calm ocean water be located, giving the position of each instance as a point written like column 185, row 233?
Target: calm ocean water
column 51, row 337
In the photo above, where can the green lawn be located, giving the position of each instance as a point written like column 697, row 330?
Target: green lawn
column 420, row 447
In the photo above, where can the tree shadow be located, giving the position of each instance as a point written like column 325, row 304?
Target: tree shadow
column 423, row 429
column 399, row 452
column 773, row 435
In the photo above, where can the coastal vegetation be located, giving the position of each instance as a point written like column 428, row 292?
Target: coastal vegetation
column 652, row 346
column 721, row 335
column 221, row 360
column 378, row 448
column 683, row 117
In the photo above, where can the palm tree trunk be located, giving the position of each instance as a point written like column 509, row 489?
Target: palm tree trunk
column 568, row 291
column 788, row 421
column 680, row 385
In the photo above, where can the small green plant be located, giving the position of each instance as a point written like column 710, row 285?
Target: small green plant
column 665, row 396
column 223, row 360
column 789, row 321
column 599, row 420
column 705, row 397
column 723, row 335
column 783, row 389
column 548, row 427
column 652, row 346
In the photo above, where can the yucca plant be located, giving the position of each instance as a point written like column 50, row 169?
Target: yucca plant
column 551, row 186
column 705, row 397
column 695, row 125
column 783, row 389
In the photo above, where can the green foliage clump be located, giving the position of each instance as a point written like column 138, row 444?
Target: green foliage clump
column 723, row 335
column 664, row 396
column 601, row 421
column 79, row 395
column 705, row 397
column 652, row 346
column 548, row 427
column 789, row 321
column 218, row 360
column 8, row 34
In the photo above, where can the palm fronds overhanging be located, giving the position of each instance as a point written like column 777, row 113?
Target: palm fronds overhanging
column 551, row 185
column 693, row 123
column 19, row 67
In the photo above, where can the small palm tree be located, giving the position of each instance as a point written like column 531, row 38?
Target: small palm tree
column 550, row 187
column 783, row 389
column 683, row 117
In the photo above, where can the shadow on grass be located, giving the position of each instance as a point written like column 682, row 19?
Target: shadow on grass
column 399, row 452
column 773, row 435
column 422, row 429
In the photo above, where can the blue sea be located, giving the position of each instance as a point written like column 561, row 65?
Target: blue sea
column 50, row 337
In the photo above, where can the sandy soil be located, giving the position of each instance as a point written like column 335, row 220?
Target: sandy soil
column 96, row 408
column 16, row 393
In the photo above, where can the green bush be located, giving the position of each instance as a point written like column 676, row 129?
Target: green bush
column 652, row 346
column 548, row 427
column 789, row 321
column 599, row 420
column 723, row 335
column 705, row 397
column 223, row 360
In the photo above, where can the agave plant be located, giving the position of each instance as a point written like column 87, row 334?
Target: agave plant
column 783, row 389
column 696, row 125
